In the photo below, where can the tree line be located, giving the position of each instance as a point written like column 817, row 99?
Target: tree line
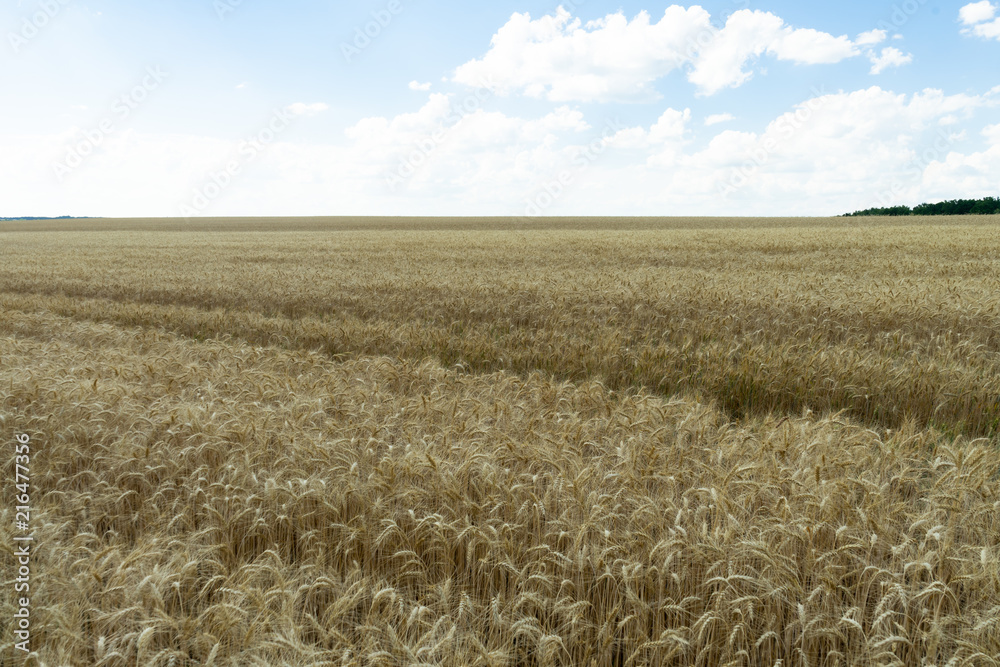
column 984, row 206
column 30, row 217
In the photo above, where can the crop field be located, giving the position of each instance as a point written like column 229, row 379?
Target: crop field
column 596, row 442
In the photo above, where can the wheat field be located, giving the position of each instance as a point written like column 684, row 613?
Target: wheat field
column 597, row 442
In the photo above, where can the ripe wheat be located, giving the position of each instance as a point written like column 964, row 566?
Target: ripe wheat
column 721, row 445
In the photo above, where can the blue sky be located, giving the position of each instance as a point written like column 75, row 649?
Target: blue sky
column 229, row 107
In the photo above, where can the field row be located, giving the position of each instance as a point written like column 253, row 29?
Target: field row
column 887, row 323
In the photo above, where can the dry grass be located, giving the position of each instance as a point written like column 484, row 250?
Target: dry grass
column 218, row 487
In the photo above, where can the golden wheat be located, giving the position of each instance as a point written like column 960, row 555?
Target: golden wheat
column 887, row 323
column 456, row 447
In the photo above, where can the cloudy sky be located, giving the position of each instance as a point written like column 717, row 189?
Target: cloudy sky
column 403, row 107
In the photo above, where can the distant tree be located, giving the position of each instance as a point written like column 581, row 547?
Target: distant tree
column 30, row 217
column 892, row 210
column 985, row 206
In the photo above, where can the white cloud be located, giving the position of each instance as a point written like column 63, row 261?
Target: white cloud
column 830, row 154
column 979, row 19
column 977, row 12
column 871, row 38
column 449, row 128
column 613, row 58
column 670, row 125
column 812, row 47
column 416, row 85
column 859, row 149
column 836, row 153
column 717, row 118
column 890, row 57
column 992, row 134
column 557, row 57
column 952, row 174
column 669, row 132
column 403, row 128
column 989, row 30
column 302, row 109
column 446, row 149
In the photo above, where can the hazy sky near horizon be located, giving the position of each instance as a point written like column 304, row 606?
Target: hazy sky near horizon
column 402, row 107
